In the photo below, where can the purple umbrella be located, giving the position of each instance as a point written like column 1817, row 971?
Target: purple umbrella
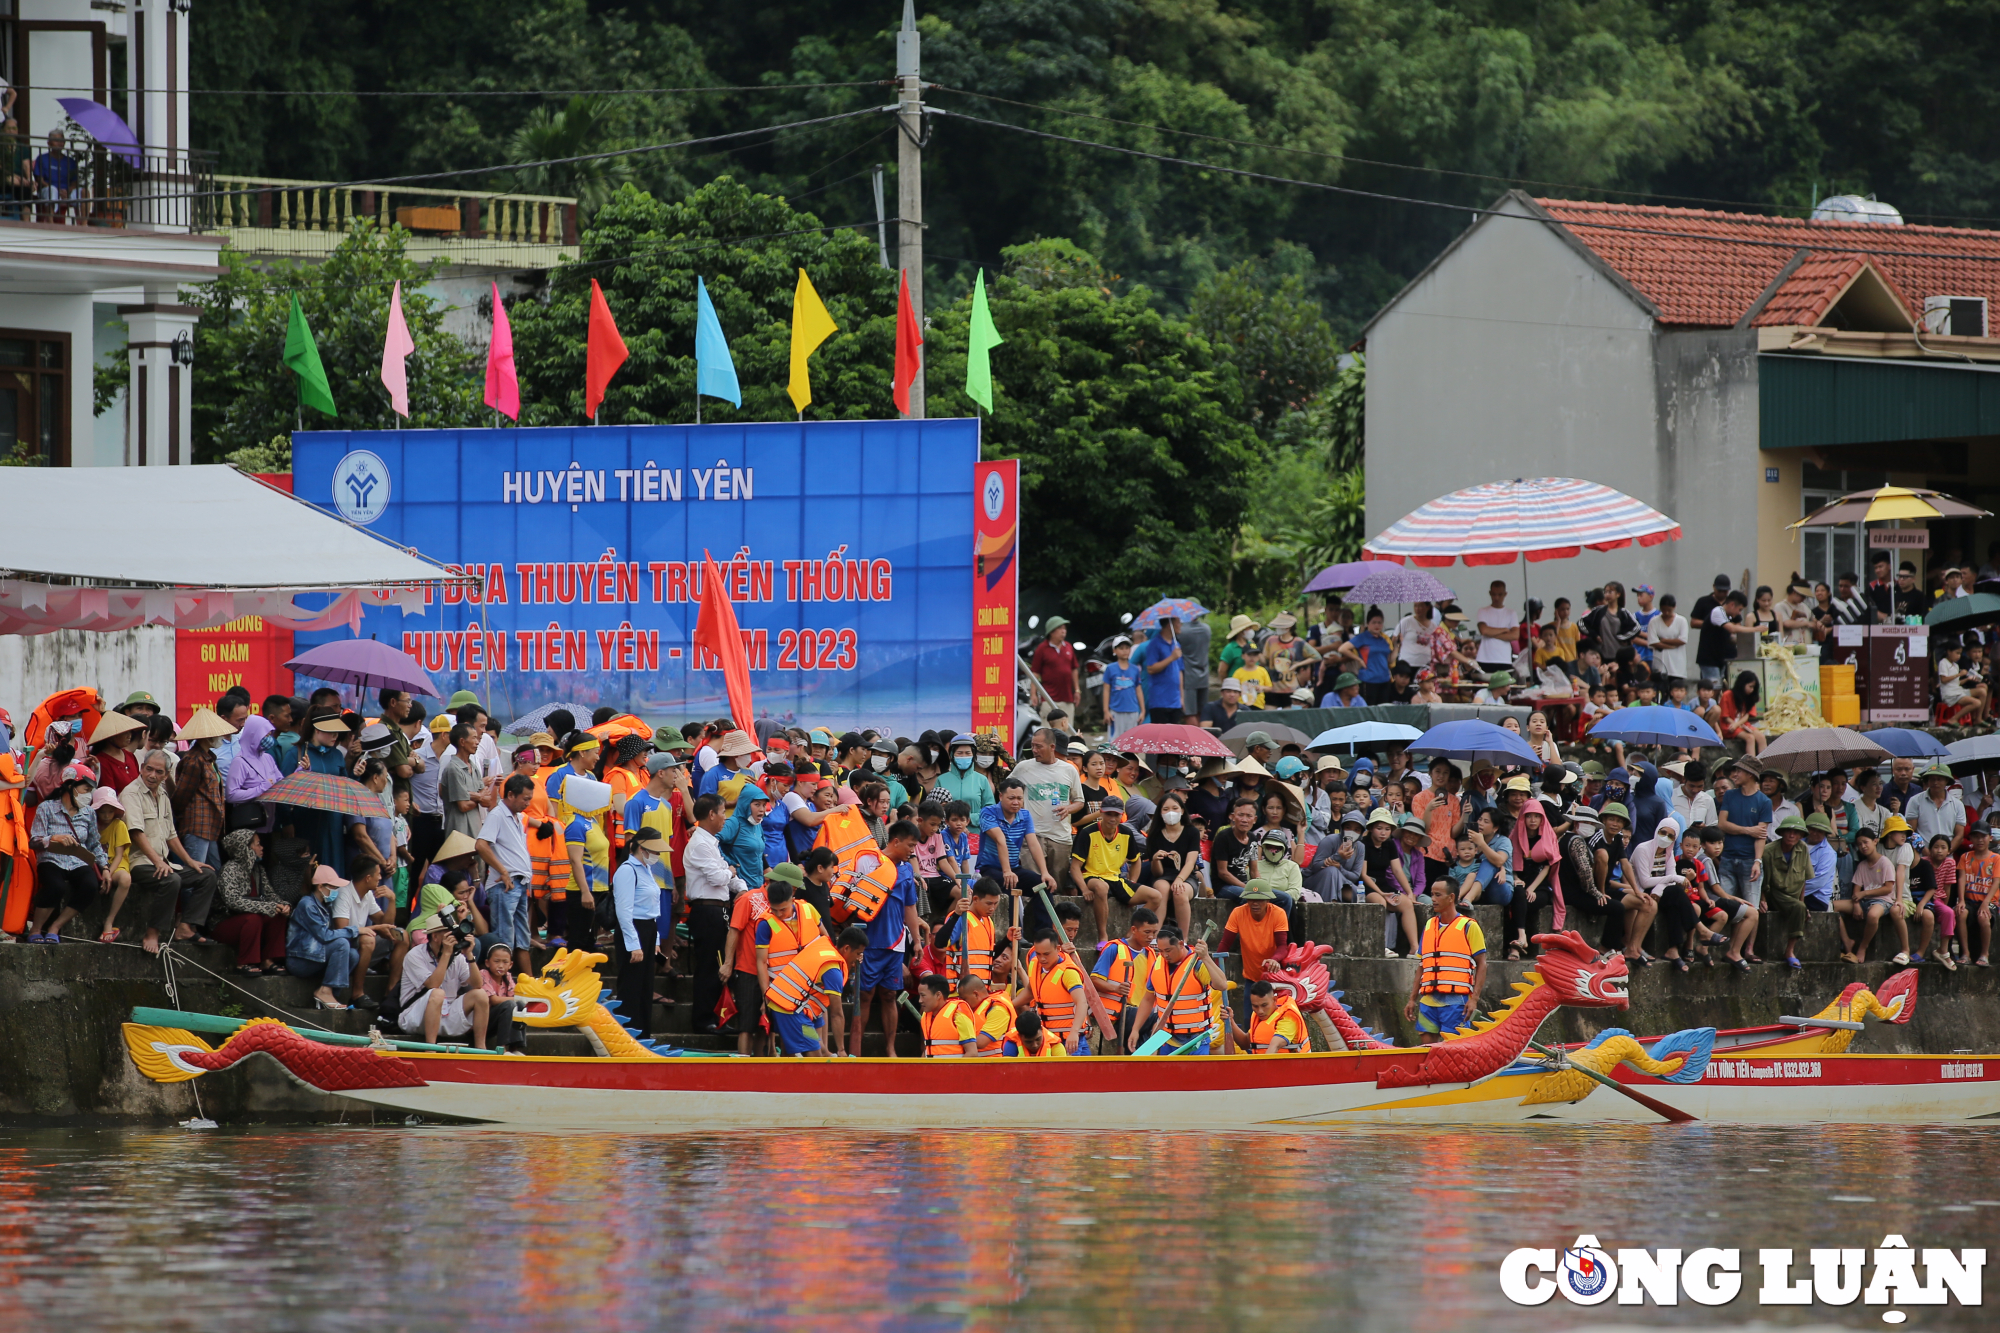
column 1335, row 577
column 368, row 663
column 1396, row 583
column 103, row 124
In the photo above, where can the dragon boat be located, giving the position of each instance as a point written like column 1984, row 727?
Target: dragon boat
column 1491, row 1072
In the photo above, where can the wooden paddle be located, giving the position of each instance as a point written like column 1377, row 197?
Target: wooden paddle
column 1672, row 1114
column 1160, row 1034
column 1097, row 1009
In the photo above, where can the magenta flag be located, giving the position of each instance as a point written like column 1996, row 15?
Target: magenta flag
column 503, row 386
column 395, row 347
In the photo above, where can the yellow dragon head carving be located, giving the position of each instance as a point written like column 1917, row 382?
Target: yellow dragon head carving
column 565, row 993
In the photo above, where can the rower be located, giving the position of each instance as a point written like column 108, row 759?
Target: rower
column 947, row 1021
column 1029, row 1038
column 1121, row 972
column 1180, row 986
column 808, row 987
column 974, row 933
column 1451, row 968
column 787, row 924
column 993, row 1015
column 1276, row 1025
column 1055, row 989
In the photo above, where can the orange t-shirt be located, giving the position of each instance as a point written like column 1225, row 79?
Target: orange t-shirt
column 1440, row 814
column 1258, row 939
column 1977, row 874
column 743, row 920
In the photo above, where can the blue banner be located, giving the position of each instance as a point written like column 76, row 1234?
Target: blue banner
column 847, row 547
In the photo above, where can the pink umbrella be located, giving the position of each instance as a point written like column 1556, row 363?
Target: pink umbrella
column 1538, row 518
column 1173, row 738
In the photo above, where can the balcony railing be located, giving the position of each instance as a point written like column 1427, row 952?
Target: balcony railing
column 271, row 204
column 92, row 187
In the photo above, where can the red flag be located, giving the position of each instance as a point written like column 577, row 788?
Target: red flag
column 909, row 341
column 605, row 354
column 716, row 630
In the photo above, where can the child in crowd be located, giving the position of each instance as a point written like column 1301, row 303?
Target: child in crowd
column 958, row 842
column 1945, row 871
column 497, row 979
column 1705, row 706
column 117, row 840
column 1256, row 680
column 404, row 861
column 1467, row 863
column 935, row 867
column 1599, row 705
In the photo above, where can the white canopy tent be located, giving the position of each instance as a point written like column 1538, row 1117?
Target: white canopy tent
column 203, row 546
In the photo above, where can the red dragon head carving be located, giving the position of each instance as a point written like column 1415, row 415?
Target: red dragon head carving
column 1298, row 968
column 1571, row 969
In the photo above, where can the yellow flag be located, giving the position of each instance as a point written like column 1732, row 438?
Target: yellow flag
column 811, row 326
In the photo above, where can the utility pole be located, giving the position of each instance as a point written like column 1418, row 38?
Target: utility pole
column 910, row 181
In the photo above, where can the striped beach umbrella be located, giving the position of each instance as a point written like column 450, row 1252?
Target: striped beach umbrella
column 1536, row 518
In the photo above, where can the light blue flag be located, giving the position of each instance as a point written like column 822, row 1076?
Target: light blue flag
column 714, row 372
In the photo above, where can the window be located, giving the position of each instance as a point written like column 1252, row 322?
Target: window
column 1827, row 553
column 34, row 395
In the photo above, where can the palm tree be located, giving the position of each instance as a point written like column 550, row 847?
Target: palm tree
column 585, row 126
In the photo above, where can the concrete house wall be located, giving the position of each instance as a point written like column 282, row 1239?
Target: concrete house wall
column 1518, row 354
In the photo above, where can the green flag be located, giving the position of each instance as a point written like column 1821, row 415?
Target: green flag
column 982, row 339
column 303, row 358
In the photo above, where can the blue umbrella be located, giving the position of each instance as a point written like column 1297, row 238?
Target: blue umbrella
column 1473, row 739
column 1907, row 742
column 1365, row 733
column 1181, row 608
column 1657, row 724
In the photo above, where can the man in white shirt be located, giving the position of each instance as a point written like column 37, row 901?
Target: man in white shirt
column 1936, row 809
column 1668, row 635
column 1055, row 792
column 1497, row 628
column 1694, row 798
column 503, row 847
column 710, row 882
column 436, row 991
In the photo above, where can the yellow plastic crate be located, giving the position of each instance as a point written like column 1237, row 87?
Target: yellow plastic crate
column 1840, row 710
column 1835, row 681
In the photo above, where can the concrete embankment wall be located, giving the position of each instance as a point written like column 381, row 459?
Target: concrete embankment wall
column 62, row 1056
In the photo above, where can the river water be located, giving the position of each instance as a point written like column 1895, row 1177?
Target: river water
column 466, row 1229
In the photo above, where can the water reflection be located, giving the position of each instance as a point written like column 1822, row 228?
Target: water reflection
column 1359, row 1229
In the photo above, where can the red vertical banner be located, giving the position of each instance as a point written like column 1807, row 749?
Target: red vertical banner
column 996, row 580
column 248, row 651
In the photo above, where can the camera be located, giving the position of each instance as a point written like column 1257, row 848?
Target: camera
column 451, row 918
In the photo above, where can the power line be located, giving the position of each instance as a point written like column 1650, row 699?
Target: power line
column 1267, row 146
column 1385, row 197
column 483, row 92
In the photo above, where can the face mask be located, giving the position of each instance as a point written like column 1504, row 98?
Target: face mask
column 1274, row 854
column 1363, row 781
column 879, row 763
column 984, row 761
column 961, row 762
column 1170, row 817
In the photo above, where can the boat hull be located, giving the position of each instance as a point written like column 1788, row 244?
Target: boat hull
column 1218, row 1092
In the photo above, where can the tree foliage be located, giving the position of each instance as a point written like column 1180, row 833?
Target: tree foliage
column 749, row 249
column 1136, row 462
column 243, row 392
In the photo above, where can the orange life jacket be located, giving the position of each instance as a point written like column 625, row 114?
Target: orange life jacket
column 941, row 1039
column 982, row 1043
column 80, row 703
column 788, row 937
column 549, row 859
column 17, row 859
column 1128, row 967
column 860, row 890
column 1263, row 1031
column 538, row 801
column 1447, row 957
column 1050, row 996
column 1186, row 1001
column 974, row 951
column 795, row 986
column 1051, row 1047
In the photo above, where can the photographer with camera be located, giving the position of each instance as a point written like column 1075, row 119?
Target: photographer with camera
column 437, row 994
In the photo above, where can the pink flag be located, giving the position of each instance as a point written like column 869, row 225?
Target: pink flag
column 397, row 345
column 503, row 386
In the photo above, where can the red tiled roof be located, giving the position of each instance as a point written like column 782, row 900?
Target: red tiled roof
column 1701, row 275
column 1820, row 281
